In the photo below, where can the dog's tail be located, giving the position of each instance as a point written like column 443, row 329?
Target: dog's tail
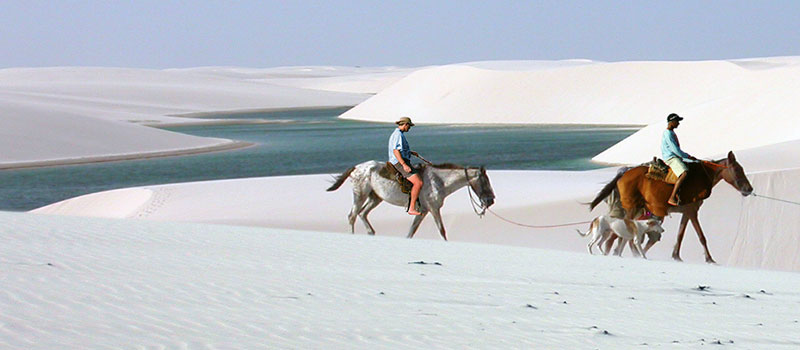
column 341, row 179
column 584, row 234
column 607, row 189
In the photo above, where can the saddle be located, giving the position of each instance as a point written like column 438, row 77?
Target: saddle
column 391, row 173
column 660, row 171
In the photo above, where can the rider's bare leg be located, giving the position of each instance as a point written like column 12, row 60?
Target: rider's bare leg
column 673, row 200
column 416, row 181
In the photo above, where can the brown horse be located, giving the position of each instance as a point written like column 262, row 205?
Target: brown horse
column 638, row 192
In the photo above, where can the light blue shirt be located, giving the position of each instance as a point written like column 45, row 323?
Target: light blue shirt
column 670, row 147
column 398, row 142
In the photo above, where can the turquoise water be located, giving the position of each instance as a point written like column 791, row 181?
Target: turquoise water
column 314, row 142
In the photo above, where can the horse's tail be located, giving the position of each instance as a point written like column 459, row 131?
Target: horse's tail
column 607, row 189
column 341, row 179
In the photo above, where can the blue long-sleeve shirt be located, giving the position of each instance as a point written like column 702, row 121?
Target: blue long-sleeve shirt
column 670, row 147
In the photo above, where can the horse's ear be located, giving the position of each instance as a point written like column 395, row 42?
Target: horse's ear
column 731, row 157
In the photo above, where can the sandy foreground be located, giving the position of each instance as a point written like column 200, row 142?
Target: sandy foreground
column 270, row 263
column 72, row 282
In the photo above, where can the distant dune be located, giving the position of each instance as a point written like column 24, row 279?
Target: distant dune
column 728, row 105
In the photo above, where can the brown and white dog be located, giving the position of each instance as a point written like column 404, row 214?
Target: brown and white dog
column 634, row 231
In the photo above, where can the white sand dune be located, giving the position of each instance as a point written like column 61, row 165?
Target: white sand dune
column 728, row 105
column 134, row 277
column 91, row 114
column 96, row 283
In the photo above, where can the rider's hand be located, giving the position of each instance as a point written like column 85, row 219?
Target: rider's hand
column 406, row 168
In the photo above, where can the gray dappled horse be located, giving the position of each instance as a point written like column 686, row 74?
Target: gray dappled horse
column 370, row 188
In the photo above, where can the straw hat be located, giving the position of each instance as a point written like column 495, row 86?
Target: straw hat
column 404, row 120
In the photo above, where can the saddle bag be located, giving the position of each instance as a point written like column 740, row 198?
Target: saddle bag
column 660, row 171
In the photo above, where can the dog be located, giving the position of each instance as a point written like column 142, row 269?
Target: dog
column 632, row 231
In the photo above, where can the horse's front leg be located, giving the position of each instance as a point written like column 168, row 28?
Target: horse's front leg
column 702, row 237
column 676, row 252
column 636, row 247
column 415, row 224
column 650, row 243
column 437, row 217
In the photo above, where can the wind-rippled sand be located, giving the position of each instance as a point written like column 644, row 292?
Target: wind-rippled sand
column 85, row 283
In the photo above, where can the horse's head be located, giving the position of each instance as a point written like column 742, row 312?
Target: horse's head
column 479, row 183
column 733, row 173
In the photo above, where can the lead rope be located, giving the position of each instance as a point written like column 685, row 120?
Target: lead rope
column 485, row 209
column 537, row 226
column 775, row 199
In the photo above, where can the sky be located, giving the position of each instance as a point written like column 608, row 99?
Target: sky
column 177, row 34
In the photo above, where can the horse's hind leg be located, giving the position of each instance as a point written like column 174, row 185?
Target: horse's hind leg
column 620, row 246
column 607, row 243
column 358, row 204
column 415, row 224
column 372, row 201
column 676, row 252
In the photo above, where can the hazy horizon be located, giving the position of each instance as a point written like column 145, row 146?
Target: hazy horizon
column 156, row 34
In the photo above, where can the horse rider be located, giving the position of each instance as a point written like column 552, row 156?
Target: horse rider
column 400, row 157
column 673, row 155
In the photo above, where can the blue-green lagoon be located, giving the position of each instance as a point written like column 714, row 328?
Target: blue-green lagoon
column 313, row 142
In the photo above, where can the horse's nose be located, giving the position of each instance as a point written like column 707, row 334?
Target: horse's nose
column 489, row 201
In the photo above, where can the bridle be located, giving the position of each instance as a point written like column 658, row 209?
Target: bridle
column 737, row 183
column 475, row 203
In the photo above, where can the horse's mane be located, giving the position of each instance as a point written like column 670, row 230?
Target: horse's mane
column 447, row 166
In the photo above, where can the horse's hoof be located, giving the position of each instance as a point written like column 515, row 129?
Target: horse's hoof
column 677, row 258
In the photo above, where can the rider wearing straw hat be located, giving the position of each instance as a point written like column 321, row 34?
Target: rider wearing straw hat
column 400, row 157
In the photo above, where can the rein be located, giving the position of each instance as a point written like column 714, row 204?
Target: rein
column 712, row 165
